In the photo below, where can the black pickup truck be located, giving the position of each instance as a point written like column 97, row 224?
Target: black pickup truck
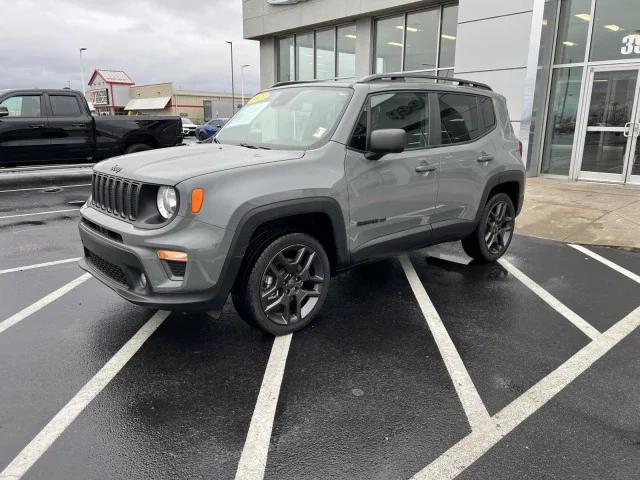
column 56, row 126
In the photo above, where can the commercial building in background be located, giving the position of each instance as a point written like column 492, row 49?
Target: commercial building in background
column 113, row 92
column 163, row 99
column 109, row 91
column 568, row 68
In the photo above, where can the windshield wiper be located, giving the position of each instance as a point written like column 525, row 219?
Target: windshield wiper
column 246, row 145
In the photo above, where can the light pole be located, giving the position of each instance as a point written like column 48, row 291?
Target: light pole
column 82, row 70
column 233, row 93
column 242, row 81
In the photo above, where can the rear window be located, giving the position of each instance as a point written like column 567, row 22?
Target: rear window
column 460, row 118
column 65, row 106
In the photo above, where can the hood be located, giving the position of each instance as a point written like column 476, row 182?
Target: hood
column 170, row 166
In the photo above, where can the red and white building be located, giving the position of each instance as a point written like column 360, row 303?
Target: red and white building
column 109, row 91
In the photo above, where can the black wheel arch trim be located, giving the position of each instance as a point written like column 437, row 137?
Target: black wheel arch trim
column 498, row 179
column 258, row 216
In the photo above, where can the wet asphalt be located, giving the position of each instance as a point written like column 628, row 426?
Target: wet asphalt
column 365, row 393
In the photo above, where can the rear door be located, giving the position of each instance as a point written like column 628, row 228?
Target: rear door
column 393, row 197
column 23, row 136
column 466, row 155
column 70, row 128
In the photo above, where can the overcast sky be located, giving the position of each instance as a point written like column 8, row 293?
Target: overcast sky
column 152, row 40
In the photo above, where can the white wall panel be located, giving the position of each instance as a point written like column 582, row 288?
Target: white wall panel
column 471, row 10
column 492, row 44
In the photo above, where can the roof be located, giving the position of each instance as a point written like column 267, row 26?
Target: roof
column 157, row 103
column 112, row 76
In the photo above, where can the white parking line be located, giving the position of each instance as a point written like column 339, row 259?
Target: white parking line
column 45, row 188
column 40, row 213
column 608, row 263
column 58, row 424
column 253, row 460
column 464, row 453
column 39, row 265
column 579, row 322
column 472, row 404
column 43, row 302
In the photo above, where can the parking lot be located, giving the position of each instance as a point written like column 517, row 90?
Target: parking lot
column 426, row 366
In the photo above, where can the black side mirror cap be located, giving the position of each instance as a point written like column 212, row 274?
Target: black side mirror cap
column 386, row 140
column 4, row 112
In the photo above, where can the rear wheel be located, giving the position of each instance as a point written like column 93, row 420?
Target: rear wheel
column 137, row 147
column 491, row 238
column 284, row 284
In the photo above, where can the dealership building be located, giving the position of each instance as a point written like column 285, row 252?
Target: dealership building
column 568, row 68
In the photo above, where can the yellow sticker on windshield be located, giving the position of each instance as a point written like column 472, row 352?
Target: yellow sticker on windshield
column 259, row 97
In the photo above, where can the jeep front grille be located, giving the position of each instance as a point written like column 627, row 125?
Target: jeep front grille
column 116, row 196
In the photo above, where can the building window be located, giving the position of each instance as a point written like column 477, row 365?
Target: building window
column 346, row 51
column 616, row 31
column 304, row 56
column 422, row 40
column 317, row 54
column 286, row 70
column 573, row 29
column 561, row 120
column 325, row 53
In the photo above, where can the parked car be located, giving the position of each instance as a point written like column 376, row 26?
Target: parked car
column 53, row 126
column 188, row 127
column 307, row 180
column 210, row 129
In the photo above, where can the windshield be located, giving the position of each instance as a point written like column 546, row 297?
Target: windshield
column 290, row 118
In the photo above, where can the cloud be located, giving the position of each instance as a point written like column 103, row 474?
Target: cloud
column 152, row 40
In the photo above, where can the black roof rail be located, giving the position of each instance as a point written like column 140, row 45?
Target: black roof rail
column 425, row 76
column 294, row 82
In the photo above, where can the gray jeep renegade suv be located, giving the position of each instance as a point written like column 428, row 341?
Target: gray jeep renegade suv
column 306, row 180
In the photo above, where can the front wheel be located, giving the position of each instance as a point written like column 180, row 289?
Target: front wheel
column 282, row 290
column 491, row 238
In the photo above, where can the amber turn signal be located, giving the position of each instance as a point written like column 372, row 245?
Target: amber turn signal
column 197, row 197
column 172, row 256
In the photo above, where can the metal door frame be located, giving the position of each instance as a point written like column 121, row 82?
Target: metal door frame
column 582, row 123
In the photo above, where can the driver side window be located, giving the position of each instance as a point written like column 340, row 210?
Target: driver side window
column 405, row 110
column 23, row 106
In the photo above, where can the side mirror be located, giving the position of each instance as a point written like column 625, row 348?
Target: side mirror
column 4, row 112
column 386, row 140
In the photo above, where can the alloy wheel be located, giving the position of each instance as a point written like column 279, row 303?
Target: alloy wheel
column 499, row 228
column 291, row 284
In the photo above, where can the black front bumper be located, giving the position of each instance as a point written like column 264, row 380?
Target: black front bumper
column 120, row 268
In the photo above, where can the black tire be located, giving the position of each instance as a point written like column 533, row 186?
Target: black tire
column 137, row 147
column 283, row 284
column 492, row 237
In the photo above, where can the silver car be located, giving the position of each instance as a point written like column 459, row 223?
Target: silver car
column 308, row 179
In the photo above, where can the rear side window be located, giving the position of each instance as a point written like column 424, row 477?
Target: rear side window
column 488, row 113
column 460, row 119
column 65, row 106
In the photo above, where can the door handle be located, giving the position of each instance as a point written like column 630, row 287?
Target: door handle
column 78, row 125
column 37, row 125
column 425, row 168
column 485, row 157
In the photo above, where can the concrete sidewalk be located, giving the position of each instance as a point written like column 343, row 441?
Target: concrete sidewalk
column 581, row 212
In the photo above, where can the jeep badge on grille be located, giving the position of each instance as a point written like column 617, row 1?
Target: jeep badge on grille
column 116, row 168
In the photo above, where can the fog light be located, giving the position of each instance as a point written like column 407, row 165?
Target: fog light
column 172, row 255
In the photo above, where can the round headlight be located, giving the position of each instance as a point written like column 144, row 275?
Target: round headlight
column 167, row 201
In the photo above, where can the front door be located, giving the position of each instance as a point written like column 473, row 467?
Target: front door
column 611, row 128
column 391, row 199
column 23, row 133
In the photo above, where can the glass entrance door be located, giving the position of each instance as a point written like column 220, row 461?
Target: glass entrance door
column 611, row 127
